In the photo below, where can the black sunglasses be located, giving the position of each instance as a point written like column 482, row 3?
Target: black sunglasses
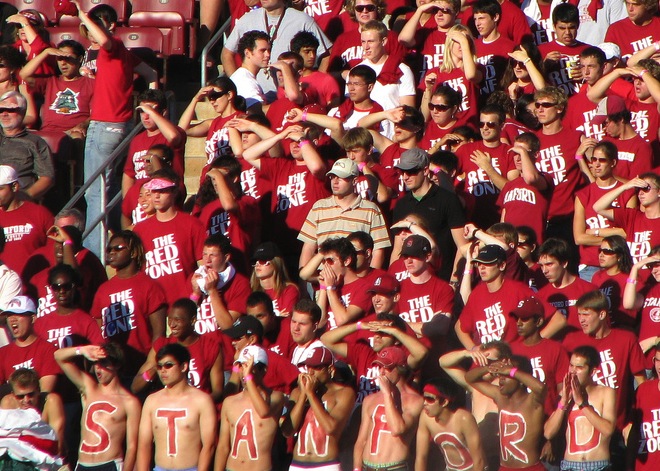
column 165, row 366
column 62, row 286
column 488, row 124
column 115, row 248
column 439, row 107
column 544, row 104
column 362, row 8
column 606, row 251
column 212, row 96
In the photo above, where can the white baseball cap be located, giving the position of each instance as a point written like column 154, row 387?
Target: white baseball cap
column 7, row 175
column 256, row 352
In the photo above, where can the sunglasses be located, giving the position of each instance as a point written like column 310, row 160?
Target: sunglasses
column 412, row 171
column 264, row 263
column 544, row 104
column 29, row 395
column 165, row 366
column 514, row 63
column 488, row 124
column 115, row 248
column 3, row 66
column 62, row 286
column 606, row 251
column 524, row 243
column 645, row 189
column 429, row 399
column 601, row 160
column 329, row 260
column 444, row 11
column 212, row 96
column 363, row 8
column 9, row 110
column 439, row 107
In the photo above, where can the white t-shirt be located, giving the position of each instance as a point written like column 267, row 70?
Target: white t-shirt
column 247, row 86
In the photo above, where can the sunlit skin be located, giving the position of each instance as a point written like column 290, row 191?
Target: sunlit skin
column 485, row 24
column 415, row 266
column 381, row 340
column 489, row 271
column 365, row 16
column 163, row 200
column 174, row 375
column 259, row 57
column 641, row 89
column 358, row 89
column 547, row 115
column 20, row 325
column 26, row 397
column 445, row 20
column 358, row 154
column 566, row 32
column 590, row 320
column 11, row 121
column 647, row 198
column 442, row 118
column 637, row 13
column 180, row 323
column 578, row 368
column 599, row 169
column 373, row 47
column 606, row 261
column 341, row 186
column 552, row 269
column 213, row 258
column 591, row 71
column 309, row 56
column 384, row 303
column 413, row 180
column 69, row 65
column 302, row 328
column 263, row 269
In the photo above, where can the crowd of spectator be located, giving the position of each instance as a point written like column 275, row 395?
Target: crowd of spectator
column 425, row 236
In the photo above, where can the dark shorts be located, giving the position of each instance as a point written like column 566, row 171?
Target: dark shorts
column 115, row 465
column 602, row 465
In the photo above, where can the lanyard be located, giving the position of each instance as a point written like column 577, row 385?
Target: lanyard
column 273, row 34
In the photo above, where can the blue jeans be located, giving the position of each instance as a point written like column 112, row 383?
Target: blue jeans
column 587, row 272
column 102, row 139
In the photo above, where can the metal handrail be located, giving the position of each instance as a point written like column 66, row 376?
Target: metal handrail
column 207, row 49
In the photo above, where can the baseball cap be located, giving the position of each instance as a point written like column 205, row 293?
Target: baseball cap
column 315, row 357
column 416, row 246
column 256, row 352
column 7, row 175
column 611, row 50
column 344, row 168
column 245, row 325
column 385, row 284
column 491, row 254
column 609, row 105
column 266, row 251
column 33, row 17
column 390, row 357
column 159, row 184
column 413, row 158
column 20, row 305
column 528, row 308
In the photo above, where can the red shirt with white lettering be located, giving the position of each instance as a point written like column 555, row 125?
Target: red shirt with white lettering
column 130, row 208
column 557, row 158
column 354, row 293
column 361, row 356
column 494, row 57
column 642, row 233
column 25, row 231
column 631, row 37
column 621, row 358
column 286, row 300
column 486, row 315
column 75, row 328
column 140, row 144
column 549, row 365
column 635, row 157
column 558, row 71
column 525, row 205
column 420, row 302
column 469, row 90
column 647, row 408
column 172, row 249
column 613, row 287
column 125, row 305
column 543, row 30
column 645, row 120
column 587, row 197
column 650, row 322
column 564, row 299
column 39, row 356
column 203, row 354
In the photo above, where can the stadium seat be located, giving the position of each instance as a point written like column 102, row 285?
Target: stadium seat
column 60, row 33
column 120, row 7
column 176, row 20
column 147, row 42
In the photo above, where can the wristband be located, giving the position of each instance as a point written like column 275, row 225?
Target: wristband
column 361, row 166
column 358, row 326
column 78, row 351
column 467, row 272
column 632, row 281
column 146, row 377
column 656, row 45
column 322, row 287
column 561, row 405
column 67, row 242
column 512, row 373
column 357, row 469
column 247, row 378
column 474, row 232
column 579, row 157
column 526, row 61
column 329, row 288
column 597, row 232
column 641, row 74
column 235, row 369
column 303, row 142
column 194, row 297
column 304, row 115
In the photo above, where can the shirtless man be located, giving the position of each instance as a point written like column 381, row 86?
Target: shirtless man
column 320, row 414
column 389, row 417
column 587, row 441
column 453, row 430
column 180, row 420
column 111, row 415
column 521, row 412
column 26, row 394
column 250, row 419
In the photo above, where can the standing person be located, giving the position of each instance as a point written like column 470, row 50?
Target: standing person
column 172, row 239
column 178, row 421
column 591, row 415
column 647, row 299
column 389, row 417
column 519, row 398
column 452, row 429
column 643, row 438
column 250, row 419
column 639, row 30
column 319, row 415
column 112, row 113
column 111, row 415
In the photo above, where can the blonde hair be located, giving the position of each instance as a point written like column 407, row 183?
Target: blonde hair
column 280, row 277
column 448, row 60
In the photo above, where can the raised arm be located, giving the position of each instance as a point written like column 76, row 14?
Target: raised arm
column 65, row 358
column 99, row 33
column 604, row 203
column 334, row 339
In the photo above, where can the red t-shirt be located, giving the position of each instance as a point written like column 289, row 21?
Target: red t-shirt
column 650, row 321
column 513, row 22
column 433, row 134
column 398, row 270
column 642, row 233
column 469, row 91
column 549, row 365
column 635, row 157
column 113, row 85
column 581, row 112
column 325, row 13
column 493, row 56
column 612, row 287
column 25, row 231
column 324, row 86
column 558, row 71
column 252, row 183
column 171, row 250
column 217, row 140
column 557, row 158
column 526, row 205
column 76, row 328
column 279, row 340
column 285, row 301
column 587, row 197
column 66, row 102
column 281, row 374
column 564, row 299
column 130, row 207
column 621, row 358
column 360, row 357
column 39, row 356
column 486, row 316
column 646, row 409
column 632, row 38
column 354, row 293
column 420, row 302
column 140, row 144
column 645, row 120
column 125, row 305
column 433, row 50
column 203, row 354
column 542, row 30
